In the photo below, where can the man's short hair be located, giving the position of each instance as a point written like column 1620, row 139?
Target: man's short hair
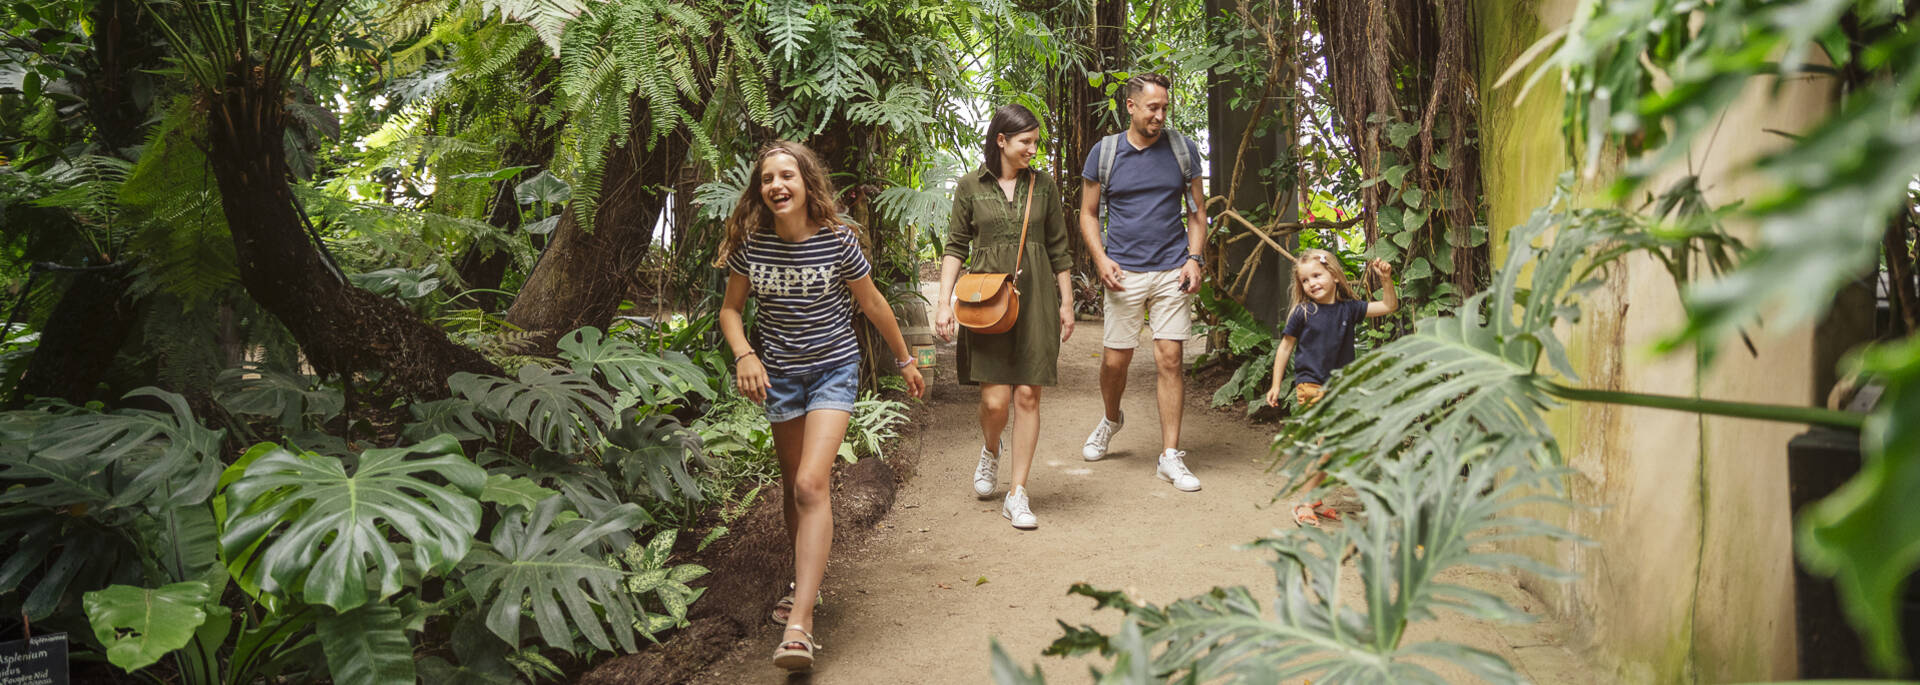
column 1139, row 83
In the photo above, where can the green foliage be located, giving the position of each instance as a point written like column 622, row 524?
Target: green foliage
column 1422, row 518
column 1613, row 57
column 551, row 566
column 293, row 400
column 562, row 409
column 639, row 377
column 182, row 242
column 652, row 575
column 367, row 645
column 315, row 527
column 1251, row 343
column 635, row 66
column 875, row 422
column 1474, row 372
column 655, row 450
column 73, row 522
column 139, row 626
column 1650, row 79
column 1867, row 534
column 171, row 456
column 399, row 282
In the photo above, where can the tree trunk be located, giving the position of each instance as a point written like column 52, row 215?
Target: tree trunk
column 583, row 275
column 81, row 337
column 341, row 328
column 477, row 268
column 87, row 327
column 1082, row 117
column 125, row 45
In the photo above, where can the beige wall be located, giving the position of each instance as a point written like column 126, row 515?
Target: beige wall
column 1691, row 579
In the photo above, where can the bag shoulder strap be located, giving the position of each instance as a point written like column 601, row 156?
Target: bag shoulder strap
column 1020, row 255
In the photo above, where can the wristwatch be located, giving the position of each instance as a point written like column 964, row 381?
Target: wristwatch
column 1202, row 261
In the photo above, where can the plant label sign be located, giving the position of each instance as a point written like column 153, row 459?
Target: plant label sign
column 41, row 660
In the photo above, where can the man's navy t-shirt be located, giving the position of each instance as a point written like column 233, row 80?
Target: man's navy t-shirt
column 1324, row 338
column 1145, row 229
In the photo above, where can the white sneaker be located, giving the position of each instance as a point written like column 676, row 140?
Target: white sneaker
column 986, row 475
column 1173, row 469
column 1096, row 446
column 1015, row 509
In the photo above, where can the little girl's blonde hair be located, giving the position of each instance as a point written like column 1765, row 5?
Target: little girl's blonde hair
column 1342, row 290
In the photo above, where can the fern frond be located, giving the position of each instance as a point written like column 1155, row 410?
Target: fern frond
column 789, row 26
column 90, row 188
column 549, row 19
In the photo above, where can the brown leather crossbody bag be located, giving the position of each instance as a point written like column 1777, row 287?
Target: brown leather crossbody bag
column 989, row 303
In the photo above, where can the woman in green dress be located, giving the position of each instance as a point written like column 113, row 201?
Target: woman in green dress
column 1010, row 367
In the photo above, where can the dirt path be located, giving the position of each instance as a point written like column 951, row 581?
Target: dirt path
column 917, row 600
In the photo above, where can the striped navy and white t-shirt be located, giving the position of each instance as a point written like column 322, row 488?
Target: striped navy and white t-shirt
column 806, row 309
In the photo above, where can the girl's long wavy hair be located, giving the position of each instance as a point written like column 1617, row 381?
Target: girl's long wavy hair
column 751, row 214
column 1342, row 290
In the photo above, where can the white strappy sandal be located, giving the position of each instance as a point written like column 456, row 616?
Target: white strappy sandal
column 796, row 655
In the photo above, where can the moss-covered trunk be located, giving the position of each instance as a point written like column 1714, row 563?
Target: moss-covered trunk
column 341, row 328
column 584, row 274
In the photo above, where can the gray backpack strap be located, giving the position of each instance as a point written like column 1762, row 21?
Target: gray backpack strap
column 1182, row 155
column 1107, row 148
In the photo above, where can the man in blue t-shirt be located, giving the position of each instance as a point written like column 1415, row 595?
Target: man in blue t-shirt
column 1149, row 259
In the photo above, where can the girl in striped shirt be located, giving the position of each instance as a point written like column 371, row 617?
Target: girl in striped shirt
column 786, row 246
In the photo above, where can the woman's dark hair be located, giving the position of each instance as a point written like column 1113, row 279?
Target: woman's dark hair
column 1009, row 120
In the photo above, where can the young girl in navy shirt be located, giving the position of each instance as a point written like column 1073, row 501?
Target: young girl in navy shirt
column 786, row 246
column 1325, row 317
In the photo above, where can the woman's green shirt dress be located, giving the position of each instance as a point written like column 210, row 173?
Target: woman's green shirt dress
column 985, row 227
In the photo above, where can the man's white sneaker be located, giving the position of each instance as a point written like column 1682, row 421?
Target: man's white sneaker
column 1173, row 469
column 986, row 475
column 1096, row 446
column 1015, row 509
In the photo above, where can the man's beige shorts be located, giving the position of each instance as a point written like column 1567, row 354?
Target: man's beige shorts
column 1153, row 295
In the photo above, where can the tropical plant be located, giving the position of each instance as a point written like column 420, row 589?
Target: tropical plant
column 1249, row 343
column 1422, row 518
column 875, row 423
column 1641, row 79
column 335, row 555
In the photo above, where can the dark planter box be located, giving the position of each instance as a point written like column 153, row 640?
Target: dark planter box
column 1818, row 462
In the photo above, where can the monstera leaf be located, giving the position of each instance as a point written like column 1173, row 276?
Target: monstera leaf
column 556, row 571
column 320, row 531
column 258, row 390
column 453, row 415
column 173, row 458
column 139, row 626
column 562, row 409
column 367, row 646
column 57, row 531
column 652, row 379
column 655, row 450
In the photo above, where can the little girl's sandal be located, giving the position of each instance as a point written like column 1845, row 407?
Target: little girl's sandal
column 1303, row 515
column 796, row 655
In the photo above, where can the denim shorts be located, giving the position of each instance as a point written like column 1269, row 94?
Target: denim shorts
column 791, row 397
